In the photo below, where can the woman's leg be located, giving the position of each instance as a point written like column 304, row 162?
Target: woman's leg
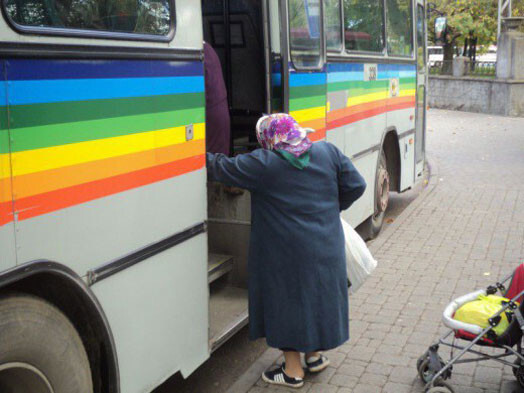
column 293, row 364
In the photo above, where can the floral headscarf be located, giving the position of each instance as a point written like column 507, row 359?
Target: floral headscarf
column 280, row 131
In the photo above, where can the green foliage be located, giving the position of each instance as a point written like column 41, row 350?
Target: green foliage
column 399, row 27
column 468, row 19
column 363, row 23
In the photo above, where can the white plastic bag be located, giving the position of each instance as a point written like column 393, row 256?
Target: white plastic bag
column 360, row 263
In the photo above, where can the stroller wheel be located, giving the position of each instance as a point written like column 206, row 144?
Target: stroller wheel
column 519, row 373
column 441, row 387
column 426, row 374
column 421, row 359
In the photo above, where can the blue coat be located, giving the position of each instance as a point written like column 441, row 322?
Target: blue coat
column 297, row 282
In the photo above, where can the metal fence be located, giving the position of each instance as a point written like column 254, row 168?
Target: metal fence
column 473, row 68
column 441, row 67
column 482, row 68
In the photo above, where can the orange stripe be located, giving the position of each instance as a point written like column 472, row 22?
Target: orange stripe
column 352, row 116
column 343, row 112
column 59, row 199
column 54, row 179
column 315, row 124
column 5, row 189
column 319, row 125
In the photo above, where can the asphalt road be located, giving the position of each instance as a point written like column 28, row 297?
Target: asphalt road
column 230, row 361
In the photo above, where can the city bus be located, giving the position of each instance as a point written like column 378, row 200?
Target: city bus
column 119, row 265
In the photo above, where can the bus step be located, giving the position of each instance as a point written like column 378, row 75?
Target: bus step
column 218, row 265
column 228, row 313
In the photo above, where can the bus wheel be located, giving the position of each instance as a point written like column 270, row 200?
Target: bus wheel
column 373, row 225
column 40, row 350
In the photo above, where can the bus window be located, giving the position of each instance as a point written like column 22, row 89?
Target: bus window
column 333, row 25
column 421, row 38
column 131, row 16
column 364, row 25
column 399, row 27
column 305, row 35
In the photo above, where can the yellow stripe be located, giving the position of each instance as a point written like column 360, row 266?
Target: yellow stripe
column 302, row 115
column 363, row 99
column 4, row 163
column 405, row 93
column 38, row 160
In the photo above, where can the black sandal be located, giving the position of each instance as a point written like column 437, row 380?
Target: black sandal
column 279, row 377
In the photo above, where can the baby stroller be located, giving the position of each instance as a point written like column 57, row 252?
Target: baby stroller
column 434, row 371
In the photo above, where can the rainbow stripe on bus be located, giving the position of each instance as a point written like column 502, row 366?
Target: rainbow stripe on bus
column 369, row 98
column 80, row 131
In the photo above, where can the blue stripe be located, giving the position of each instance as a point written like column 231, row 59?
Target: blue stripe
column 41, row 91
column 407, row 74
column 341, row 67
column 3, row 95
column 24, row 69
column 345, row 76
column 307, row 79
column 396, row 74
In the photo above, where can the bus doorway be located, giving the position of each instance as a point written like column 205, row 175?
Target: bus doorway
column 238, row 32
column 240, row 48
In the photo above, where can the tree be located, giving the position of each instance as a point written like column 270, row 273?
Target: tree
column 470, row 24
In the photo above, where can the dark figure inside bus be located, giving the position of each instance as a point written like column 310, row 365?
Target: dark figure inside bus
column 218, row 124
column 298, row 296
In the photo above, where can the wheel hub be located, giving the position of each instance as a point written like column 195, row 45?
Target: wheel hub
column 382, row 189
column 19, row 377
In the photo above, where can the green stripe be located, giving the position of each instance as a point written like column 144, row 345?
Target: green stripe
column 68, row 112
column 60, row 134
column 355, row 92
column 408, row 80
column 382, row 84
column 407, row 86
column 4, row 144
column 308, row 102
column 306, row 91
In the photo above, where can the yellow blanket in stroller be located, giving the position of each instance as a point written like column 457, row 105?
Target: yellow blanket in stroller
column 479, row 311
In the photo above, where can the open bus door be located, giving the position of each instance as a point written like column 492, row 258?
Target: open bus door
column 296, row 57
column 277, row 56
column 420, row 123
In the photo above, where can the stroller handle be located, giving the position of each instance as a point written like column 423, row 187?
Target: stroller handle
column 449, row 311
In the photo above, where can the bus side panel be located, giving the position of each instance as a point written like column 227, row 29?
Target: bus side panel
column 401, row 115
column 7, row 231
column 103, row 166
column 356, row 121
column 158, row 312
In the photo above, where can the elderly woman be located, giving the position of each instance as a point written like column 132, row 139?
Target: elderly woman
column 298, row 297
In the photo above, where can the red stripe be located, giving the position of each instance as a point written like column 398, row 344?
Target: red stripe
column 6, row 212
column 319, row 134
column 356, row 117
column 369, row 113
column 59, row 199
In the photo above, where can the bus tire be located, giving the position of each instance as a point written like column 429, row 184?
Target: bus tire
column 40, row 350
column 373, row 224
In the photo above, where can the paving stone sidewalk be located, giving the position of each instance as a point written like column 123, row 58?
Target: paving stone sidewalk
column 464, row 232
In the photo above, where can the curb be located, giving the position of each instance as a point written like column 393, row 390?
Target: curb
column 253, row 373
column 271, row 355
